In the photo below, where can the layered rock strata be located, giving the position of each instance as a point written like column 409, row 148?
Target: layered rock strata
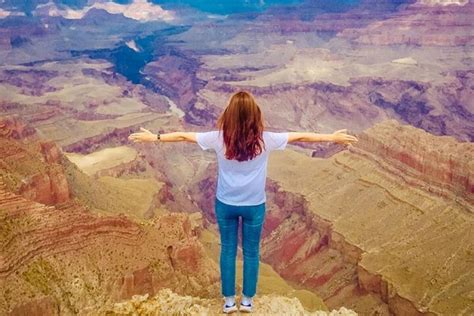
column 31, row 166
column 370, row 227
column 424, row 23
column 57, row 256
column 388, row 225
column 438, row 108
column 67, row 259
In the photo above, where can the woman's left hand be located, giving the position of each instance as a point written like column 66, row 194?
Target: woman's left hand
column 143, row 137
column 341, row 137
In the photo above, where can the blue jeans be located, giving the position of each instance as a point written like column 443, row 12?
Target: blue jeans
column 228, row 221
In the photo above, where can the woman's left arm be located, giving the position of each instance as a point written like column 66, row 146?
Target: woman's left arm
column 147, row 136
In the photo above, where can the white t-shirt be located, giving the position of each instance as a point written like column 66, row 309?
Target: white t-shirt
column 241, row 182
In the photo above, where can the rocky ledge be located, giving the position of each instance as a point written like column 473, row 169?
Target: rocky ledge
column 166, row 302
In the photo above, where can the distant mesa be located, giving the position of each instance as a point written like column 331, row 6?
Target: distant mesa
column 427, row 23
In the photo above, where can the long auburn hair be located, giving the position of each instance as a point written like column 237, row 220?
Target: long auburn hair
column 242, row 124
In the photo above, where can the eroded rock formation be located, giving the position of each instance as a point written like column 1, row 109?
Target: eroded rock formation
column 68, row 259
column 422, row 23
column 439, row 165
column 369, row 227
column 387, row 225
column 165, row 302
column 31, row 166
column 438, row 108
column 64, row 258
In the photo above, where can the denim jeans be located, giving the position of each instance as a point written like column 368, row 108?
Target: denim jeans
column 228, row 221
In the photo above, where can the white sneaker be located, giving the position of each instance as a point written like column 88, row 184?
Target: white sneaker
column 230, row 309
column 246, row 308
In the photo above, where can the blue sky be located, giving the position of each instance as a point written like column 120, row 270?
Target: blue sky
column 212, row 6
column 221, row 6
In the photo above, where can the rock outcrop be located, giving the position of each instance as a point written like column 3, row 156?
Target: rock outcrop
column 31, row 166
column 166, row 302
column 369, row 227
column 439, row 165
column 72, row 260
column 38, row 229
column 57, row 256
column 352, row 226
column 12, row 127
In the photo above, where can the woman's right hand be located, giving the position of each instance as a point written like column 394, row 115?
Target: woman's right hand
column 341, row 137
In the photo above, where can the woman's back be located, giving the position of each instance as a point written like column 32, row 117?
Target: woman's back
column 241, row 182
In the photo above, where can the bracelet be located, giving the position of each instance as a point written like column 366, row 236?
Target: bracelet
column 157, row 136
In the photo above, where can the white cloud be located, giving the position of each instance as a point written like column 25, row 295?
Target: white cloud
column 140, row 10
column 5, row 13
column 217, row 16
column 444, row 2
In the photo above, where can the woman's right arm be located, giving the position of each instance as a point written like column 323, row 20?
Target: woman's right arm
column 147, row 136
column 338, row 136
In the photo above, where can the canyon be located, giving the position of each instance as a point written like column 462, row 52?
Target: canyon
column 77, row 261
column 92, row 224
column 361, row 252
column 72, row 258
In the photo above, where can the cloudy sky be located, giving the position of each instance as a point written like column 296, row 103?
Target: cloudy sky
column 28, row 6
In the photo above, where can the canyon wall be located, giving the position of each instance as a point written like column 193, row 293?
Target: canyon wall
column 370, row 227
column 439, row 165
column 438, row 108
column 77, row 260
column 57, row 256
column 392, row 232
column 424, row 23
column 31, row 166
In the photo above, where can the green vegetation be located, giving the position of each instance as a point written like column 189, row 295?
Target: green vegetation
column 11, row 225
column 41, row 275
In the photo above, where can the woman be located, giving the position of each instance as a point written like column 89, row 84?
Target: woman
column 242, row 147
